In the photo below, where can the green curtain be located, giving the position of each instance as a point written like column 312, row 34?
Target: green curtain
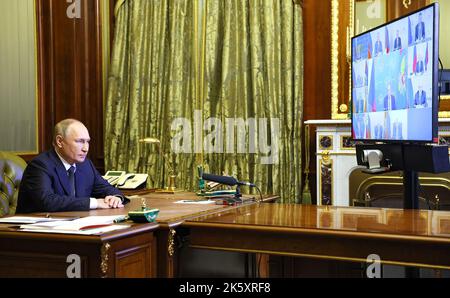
column 151, row 82
column 254, row 70
column 250, row 70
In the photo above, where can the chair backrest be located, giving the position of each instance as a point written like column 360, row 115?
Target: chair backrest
column 11, row 171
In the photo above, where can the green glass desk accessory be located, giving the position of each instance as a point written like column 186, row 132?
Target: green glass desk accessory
column 143, row 215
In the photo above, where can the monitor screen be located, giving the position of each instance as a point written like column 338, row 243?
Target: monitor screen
column 395, row 96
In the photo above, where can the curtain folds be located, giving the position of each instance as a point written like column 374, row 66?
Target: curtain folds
column 250, row 121
column 151, row 82
column 254, row 70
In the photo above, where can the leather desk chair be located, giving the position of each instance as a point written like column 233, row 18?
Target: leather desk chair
column 11, row 171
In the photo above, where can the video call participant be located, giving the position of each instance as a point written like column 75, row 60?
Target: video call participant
column 389, row 99
column 420, row 29
column 420, row 98
column 378, row 46
column 397, row 42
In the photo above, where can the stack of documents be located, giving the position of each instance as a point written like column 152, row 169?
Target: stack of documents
column 85, row 226
column 31, row 219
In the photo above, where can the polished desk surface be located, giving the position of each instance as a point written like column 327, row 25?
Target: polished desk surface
column 399, row 222
column 401, row 237
column 170, row 211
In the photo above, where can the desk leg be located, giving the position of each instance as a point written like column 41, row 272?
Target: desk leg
column 167, row 253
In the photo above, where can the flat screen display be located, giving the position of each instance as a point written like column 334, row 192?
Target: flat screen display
column 394, row 80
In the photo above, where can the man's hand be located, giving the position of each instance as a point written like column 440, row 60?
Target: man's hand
column 109, row 202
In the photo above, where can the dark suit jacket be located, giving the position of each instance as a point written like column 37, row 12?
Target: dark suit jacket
column 386, row 103
column 420, row 98
column 419, row 67
column 420, row 31
column 397, row 44
column 45, row 186
column 378, row 48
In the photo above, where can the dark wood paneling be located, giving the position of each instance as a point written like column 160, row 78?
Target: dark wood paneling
column 317, row 68
column 70, row 70
column 317, row 71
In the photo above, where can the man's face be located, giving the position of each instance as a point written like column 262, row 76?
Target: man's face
column 75, row 146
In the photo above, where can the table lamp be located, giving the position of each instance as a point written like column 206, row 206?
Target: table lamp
column 171, row 188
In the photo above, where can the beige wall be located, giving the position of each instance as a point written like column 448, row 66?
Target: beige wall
column 444, row 51
column 17, row 76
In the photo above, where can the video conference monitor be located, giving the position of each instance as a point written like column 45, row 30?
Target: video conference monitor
column 395, row 95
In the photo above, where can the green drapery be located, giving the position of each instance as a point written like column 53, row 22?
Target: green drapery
column 151, row 82
column 253, row 69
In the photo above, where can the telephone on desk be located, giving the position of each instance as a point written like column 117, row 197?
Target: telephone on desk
column 122, row 180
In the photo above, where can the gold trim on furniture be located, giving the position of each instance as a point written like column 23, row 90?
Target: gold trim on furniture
column 341, row 143
column 325, row 163
column 171, row 242
column 104, row 253
column 337, row 153
column 336, row 113
column 322, row 139
column 322, row 257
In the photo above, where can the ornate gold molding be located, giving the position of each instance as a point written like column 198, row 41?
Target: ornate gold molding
column 338, row 110
column 406, row 3
column 104, row 255
column 325, row 164
column 171, row 242
column 326, row 142
column 335, row 59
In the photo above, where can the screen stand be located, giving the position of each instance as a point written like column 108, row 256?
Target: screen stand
column 411, row 190
column 411, row 201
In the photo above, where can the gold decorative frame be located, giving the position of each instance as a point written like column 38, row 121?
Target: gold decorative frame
column 340, row 112
column 327, row 162
column 341, row 143
column 105, row 258
column 331, row 145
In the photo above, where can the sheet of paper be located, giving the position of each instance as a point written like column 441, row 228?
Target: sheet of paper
column 74, row 225
column 81, row 232
column 30, row 219
column 194, row 202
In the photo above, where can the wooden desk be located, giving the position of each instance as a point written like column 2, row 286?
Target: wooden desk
column 170, row 218
column 123, row 253
column 144, row 250
column 399, row 237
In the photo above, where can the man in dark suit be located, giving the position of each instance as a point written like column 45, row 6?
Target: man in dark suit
column 420, row 29
column 359, row 129
column 397, row 42
column 379, row 132
column 420, row 99
column 397, row 130
column 420, row 69
column 378, row 46
column 389, row 100
column 64, row 179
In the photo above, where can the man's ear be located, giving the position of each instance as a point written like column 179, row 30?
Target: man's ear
column 59, row 140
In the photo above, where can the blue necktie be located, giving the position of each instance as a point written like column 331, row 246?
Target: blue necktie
column 71, row 173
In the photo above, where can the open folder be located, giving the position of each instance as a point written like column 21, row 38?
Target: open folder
column 85, row 225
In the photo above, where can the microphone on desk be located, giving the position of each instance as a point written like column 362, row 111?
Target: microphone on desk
column 227, row 180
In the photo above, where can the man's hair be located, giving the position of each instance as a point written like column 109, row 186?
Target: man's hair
column 62, row 127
